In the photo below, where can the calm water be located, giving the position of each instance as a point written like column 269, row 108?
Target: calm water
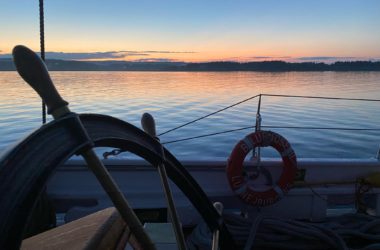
column 175, row 98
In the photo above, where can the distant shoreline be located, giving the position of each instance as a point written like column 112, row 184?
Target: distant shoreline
column 264, row 66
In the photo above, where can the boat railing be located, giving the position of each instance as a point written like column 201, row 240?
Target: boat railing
column 257, row 126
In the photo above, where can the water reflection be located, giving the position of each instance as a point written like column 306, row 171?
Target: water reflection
column 178, row 97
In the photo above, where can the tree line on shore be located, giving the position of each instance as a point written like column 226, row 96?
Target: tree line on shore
column 264, row 66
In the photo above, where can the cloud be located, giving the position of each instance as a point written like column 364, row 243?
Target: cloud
column 77, row 56
column 155, row 60
column 269, row 57
column 374, row 59
column 261, row 57
column 257, row 58
column 103, row 55
column 332, row 59
column 168, row 52
column 325, row 59
column 83, row 56
column 318, row 58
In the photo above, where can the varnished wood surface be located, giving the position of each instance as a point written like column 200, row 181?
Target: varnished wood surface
column 101, row 230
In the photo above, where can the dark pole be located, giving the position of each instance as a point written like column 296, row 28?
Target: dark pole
column 42, row 49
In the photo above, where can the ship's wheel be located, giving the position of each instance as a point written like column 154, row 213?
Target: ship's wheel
column 25, row 169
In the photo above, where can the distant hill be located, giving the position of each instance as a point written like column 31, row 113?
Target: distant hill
column 281, row 66
column 65, row 65
column 266, row 66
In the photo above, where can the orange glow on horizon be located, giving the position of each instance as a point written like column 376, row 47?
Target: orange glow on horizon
column 205, row 53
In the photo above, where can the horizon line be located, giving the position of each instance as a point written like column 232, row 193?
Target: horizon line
column 167, row 56
column 372, row 60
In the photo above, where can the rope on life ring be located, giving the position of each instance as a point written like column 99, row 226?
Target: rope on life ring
column 235, row 171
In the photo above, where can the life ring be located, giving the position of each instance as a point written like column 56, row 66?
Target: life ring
column 235, row 168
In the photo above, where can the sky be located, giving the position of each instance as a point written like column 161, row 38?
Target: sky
column 196, row 30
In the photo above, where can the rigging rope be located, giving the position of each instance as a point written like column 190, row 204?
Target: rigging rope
column 206, row 135
column 274, row 95
column 213, row 113
column 277, row 127
column 42, row 49
column 324, row 97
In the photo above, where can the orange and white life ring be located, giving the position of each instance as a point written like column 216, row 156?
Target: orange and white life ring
column 238, row 182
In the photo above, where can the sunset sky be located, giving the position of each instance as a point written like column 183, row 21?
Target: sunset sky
column 196, row 30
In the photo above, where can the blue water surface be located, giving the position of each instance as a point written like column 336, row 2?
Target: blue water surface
column 175, row 98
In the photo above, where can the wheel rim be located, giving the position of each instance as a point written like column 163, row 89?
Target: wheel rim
column 30, row 163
